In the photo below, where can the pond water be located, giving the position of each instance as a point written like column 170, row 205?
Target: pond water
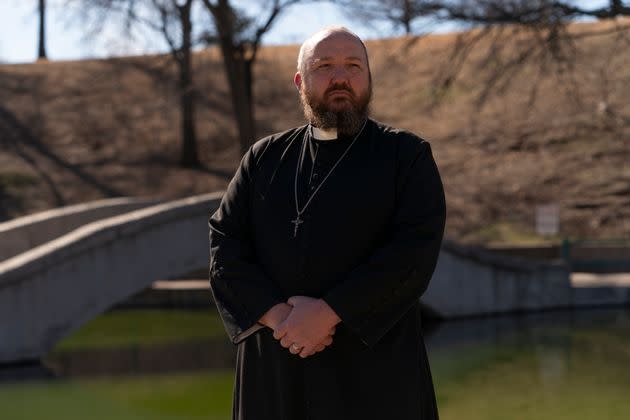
column 144, row 365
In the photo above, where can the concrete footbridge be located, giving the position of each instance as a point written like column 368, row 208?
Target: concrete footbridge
column 61, row 268
column 50, row 290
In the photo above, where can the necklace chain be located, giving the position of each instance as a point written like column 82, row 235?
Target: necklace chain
column 298, row 220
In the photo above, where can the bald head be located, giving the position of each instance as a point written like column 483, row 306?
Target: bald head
column 308, row 47
column 334, row 80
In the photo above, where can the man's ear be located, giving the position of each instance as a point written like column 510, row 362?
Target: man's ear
column 297, row 80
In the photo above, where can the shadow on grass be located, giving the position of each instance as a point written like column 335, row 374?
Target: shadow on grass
column 18, row 137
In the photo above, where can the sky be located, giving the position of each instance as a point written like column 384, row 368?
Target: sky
column 66, row 38
column 67, row 41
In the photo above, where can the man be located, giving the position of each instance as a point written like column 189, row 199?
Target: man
column 325, row 239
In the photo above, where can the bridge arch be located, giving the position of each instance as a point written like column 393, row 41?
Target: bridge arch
column 53, row 289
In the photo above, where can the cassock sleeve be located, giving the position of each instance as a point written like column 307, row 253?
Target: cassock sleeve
column 242, row 291
column 377, row 293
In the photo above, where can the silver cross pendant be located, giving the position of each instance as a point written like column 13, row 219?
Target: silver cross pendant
column 296, row 225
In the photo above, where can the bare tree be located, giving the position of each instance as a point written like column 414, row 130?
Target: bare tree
column 538, row 28
column 42, row 30
column 540, row 12
column 400, row 13
column 173, row 20
column 239, row 37
column 547, row 40
column 237, row 33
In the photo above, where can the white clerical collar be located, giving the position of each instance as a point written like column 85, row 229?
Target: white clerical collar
column 320, row 134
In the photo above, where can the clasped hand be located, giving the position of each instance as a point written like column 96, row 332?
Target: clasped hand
column 307, row 322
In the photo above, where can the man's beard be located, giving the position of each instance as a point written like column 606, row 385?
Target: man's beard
column 347, row 120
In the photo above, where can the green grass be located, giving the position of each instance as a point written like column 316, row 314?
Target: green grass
column 147, row 327
column 16, row 180
column 510, row 233
column 192, row 396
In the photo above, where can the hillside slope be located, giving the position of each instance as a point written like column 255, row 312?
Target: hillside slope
column 77, row 131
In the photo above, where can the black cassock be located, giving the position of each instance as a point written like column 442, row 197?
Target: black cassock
column 368, row 246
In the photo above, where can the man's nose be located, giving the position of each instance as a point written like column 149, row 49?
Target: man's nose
column 339, row 73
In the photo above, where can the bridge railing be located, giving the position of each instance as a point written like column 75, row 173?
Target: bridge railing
column 27, row 232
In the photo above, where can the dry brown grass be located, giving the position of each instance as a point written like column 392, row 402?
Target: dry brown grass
column 76, row 131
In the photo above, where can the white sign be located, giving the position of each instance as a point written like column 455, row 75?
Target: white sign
column 547, row 219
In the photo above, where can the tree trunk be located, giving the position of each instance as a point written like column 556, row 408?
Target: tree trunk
column 238, row 69
column 407, row 16
column 247, row 123
column 42, row 30
column 240, row 80
column 189, row 157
